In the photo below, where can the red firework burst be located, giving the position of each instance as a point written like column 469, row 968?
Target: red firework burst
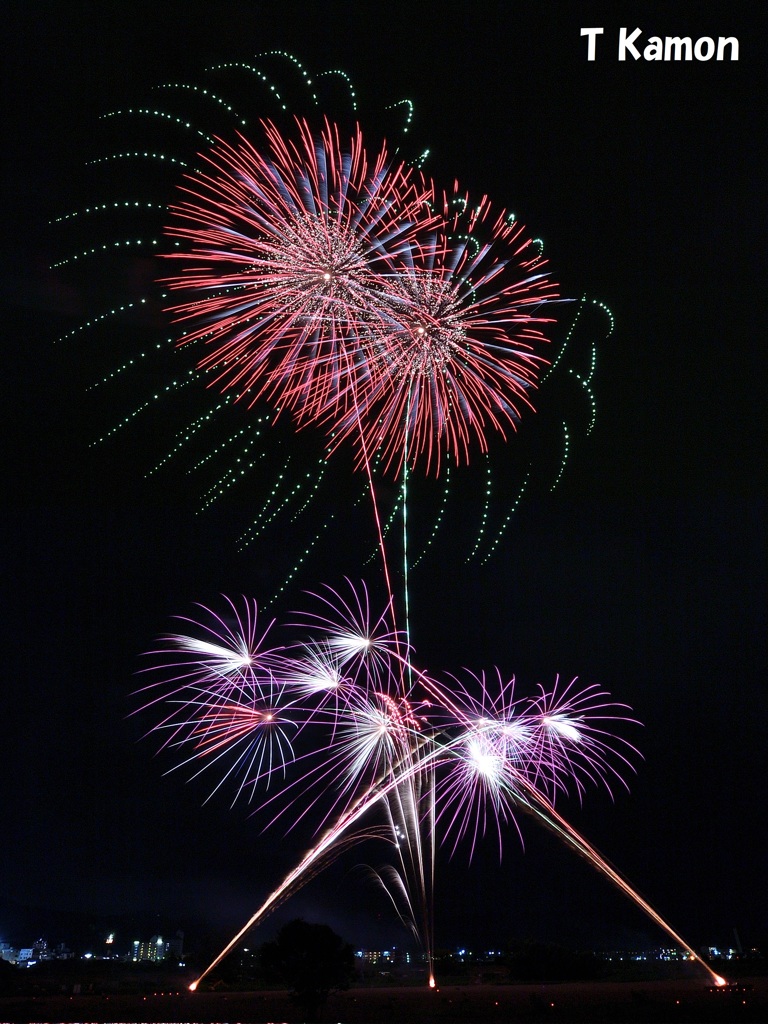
column 458, row 346
column 326, row 282
column 285, row 255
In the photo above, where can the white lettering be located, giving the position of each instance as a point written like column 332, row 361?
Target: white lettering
column 722, row 41
column 698, row 48
column 627, row 43
column 677, row 43
column 592, row 33
column 666, row 48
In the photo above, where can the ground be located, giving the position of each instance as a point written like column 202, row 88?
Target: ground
column 665, row 1002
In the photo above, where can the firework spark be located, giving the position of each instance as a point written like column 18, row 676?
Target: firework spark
column 326, row 283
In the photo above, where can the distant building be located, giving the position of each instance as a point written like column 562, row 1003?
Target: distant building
column 385, row 958
column 154, row 950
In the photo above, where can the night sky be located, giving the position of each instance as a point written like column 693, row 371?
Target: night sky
column 643, row 571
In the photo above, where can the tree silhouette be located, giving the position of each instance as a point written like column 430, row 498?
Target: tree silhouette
column 312, row 960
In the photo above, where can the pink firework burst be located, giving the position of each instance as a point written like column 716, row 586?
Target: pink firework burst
column 361, row 712
column 285, row 253
column 508, row 748
column 459, row 343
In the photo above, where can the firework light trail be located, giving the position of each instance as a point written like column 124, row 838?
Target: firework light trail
column 542, row 809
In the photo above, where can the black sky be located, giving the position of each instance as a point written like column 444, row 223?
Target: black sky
column 644, row 571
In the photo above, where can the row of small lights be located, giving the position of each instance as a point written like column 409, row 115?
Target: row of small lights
column 230, row 477
column 136, row 155
column 584, row 381
column 173, row 386
column 507, row 520
column 131, row 204
column 312, row 543
column 203, row 92
column 262, row 520
column 566, row 447
column 303, row 557
column 98, row 319
column 486, row 508
column 440, row 515
column 105, row 248
column 187, row 434
column 147, row 112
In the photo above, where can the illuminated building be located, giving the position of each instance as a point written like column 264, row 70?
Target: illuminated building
column 154, row 950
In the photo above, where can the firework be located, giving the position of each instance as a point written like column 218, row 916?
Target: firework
column 286, row 251
column 460, row 347
column 325, row 282
column 461, row 757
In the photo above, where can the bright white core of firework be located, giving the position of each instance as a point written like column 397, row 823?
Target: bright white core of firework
column 229, row 660
column 561, row 724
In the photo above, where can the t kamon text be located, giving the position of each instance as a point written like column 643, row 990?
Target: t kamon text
column 632, row 44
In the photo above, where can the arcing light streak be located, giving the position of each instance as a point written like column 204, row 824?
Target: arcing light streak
column 296, row 878
column 541, row 808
